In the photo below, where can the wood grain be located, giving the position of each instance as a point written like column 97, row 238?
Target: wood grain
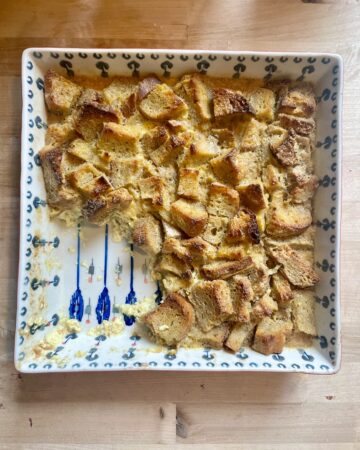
column 148, row 410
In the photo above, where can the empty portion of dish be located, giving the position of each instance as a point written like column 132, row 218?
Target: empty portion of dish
column 214, row 178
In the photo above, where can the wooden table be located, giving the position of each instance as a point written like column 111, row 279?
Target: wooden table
column 145, row 409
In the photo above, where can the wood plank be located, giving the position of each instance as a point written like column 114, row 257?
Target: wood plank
column 138, row 410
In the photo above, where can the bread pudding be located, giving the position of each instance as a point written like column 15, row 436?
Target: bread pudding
column 214, row 179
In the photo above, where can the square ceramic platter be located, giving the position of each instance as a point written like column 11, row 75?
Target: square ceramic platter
column 48, row 250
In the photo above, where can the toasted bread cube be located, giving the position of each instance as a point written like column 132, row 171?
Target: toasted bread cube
column 90, row 118
column 155, row 138
column 167, row 153
column 197, row 90
column 52, row 163
column 241, row 295
column 284, row 146
column 147, row 234
column 172, row 320
column 174, row 246
column 281, row 289
column 303, row 312
column 193, row 251
column 223, row 201
column 199, row 152
column 119, row 90
column 298, row 101
column 239, row 336
column 146, row 86
column 273, row 179
column 302, row 184
column 228, row 102
column 270, row 336
column 252, row 196
column 189, row 183
column 87, row 152
column 227, row 167
column 226, row 269
column 264, row 307
column 284, row 219
column 259, row 277
column 59, row 133
column 199, row 250
column 296, row 269
column 125, row 171
column 213, row 338
column 243, row 228
column 170, row 263
column 98, row 210
column 191, row 217
column 88, row 180
column 304, row 127
column 153, row 190
column 215, row 229
column 119, row 139
column 253, row 138
column 304, row 241
column 263, row 102
column 231, row 253
column 162, row 103
column 212, row 303
column 51, row 159
column 61, row 94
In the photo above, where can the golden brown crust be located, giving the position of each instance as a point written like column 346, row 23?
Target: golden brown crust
column 303, row 312
column 281, row 290
column 304, row 127
column 172, row 320
column 147, row 234
column 226, row 269
column 212, row 303
column 243, row 227
column 228, row 102
column 285, row 220
column 298, row 101
column 296, row 269
column 252, row 196
column 199, row 94
column 146, row 86
column 270, row 336
column 227, row 167
column 213, row 338
column 238, row 336
column 191, row 217
column 90, row 118
column 285, row 149
column 223, row 201
column 161, row 103
column 61, row 94
column 97, row 210
column 189, row 186
column 89, row 181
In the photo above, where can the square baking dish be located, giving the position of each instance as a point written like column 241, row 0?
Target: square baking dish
column 49, row 251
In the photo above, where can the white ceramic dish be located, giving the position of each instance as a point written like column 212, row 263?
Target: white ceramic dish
column 47, row 269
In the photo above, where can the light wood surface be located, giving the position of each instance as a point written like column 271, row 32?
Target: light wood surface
column 147, row 410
